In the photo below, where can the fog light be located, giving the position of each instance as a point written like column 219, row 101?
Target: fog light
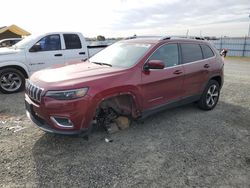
column 62, row 122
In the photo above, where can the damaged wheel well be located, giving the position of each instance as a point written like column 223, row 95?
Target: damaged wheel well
column 110, row 109
column 122, row 105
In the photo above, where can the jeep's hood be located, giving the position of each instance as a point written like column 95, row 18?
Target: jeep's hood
column 7, row 51
column 71, row 75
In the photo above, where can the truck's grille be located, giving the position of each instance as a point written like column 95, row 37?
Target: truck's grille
column 33, row 91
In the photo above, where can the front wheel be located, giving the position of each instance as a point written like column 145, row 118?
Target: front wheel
column 11, row 80
column 210, row 96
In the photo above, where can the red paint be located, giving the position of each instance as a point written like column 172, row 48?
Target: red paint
column 149, row 88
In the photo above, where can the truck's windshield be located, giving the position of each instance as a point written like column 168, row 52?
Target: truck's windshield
column 23, row 43
column 121, row 54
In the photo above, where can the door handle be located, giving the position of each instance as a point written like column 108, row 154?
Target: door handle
column 177, row 72
column 57, row 55
column 206, row 66
column 81, row 53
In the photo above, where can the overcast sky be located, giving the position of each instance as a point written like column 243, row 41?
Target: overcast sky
column 113, row 18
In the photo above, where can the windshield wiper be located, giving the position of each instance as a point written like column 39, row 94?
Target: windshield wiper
column 98, row 63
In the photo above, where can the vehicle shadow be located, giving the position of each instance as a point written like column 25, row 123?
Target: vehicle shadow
column 56, row 155
column 71, row 160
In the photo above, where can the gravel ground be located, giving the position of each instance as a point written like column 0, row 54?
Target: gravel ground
column 180, row 147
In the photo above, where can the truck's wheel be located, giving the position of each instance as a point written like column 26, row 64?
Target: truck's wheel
column 11, row 80
column 210, row 96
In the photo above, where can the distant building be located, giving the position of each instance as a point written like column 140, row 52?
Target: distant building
column 12, row 31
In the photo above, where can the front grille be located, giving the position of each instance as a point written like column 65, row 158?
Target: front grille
column 33, row 91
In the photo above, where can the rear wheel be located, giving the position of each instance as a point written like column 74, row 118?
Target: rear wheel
column 210, row 96
column 11, row 80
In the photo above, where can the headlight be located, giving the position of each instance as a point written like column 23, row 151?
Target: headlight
column 67, row 94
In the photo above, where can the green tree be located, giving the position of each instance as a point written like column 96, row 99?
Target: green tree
column 100, row 38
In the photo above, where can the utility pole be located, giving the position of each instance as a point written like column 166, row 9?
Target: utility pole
column 187, row 33
column 249, row 28
column 248, row 31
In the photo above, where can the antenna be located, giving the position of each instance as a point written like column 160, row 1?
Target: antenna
column 187, row 32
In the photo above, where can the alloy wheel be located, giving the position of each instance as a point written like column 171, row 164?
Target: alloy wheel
column 10, row 81
column 212, row 95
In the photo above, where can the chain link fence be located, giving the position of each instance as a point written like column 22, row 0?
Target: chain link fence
column 236, row 46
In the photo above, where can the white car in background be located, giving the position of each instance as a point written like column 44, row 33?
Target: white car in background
column 34, row 53
column 9, row 42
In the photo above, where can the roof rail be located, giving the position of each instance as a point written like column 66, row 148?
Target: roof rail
column 143, row 36
column 197, row 38
column 182, row 37
column 166, row 37
column 128, row 38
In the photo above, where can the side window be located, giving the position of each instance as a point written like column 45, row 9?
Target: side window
column 17, row 41
column 191, row 52
column 72, row 41
column 49, row 43
column 168, row 54
column 13, row 42
column 5, row 44
column 207, row 52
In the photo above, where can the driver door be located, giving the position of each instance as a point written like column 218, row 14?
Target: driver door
column 161, row 86
column 45, row 53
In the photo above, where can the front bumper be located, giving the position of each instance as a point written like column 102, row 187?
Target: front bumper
column 45, row 127
column 76, row 111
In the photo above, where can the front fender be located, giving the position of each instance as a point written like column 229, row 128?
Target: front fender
column 117, row 91
column 98, row 98
column 17, row 64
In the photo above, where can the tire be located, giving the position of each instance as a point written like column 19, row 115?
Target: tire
column 11, row 80
column 210, row 96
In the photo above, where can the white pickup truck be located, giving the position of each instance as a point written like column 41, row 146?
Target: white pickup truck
column 38, row 52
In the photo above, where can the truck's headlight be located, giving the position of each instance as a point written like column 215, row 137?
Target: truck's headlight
column 67, row 94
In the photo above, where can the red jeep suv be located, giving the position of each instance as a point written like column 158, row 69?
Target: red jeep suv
column 133, row 78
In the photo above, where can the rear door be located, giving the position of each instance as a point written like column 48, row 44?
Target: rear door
column 196, row 69
column 48, row 53
column 74, row 48
column 163, row 85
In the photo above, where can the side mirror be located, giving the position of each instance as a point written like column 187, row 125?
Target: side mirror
column 154, row 64
column 35, row 48
column 223, row 52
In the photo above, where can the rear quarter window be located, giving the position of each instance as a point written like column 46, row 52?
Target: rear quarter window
column 191, row 52
column 207, row 52
column 72, row 41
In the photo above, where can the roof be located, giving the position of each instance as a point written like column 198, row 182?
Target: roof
column 8, row 39
column 15, row 29
column 143, row 40
column 156, row 39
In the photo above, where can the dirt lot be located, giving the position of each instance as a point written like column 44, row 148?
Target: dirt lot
column 176, row 148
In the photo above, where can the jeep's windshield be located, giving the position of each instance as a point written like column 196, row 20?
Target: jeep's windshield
column 121, row 54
